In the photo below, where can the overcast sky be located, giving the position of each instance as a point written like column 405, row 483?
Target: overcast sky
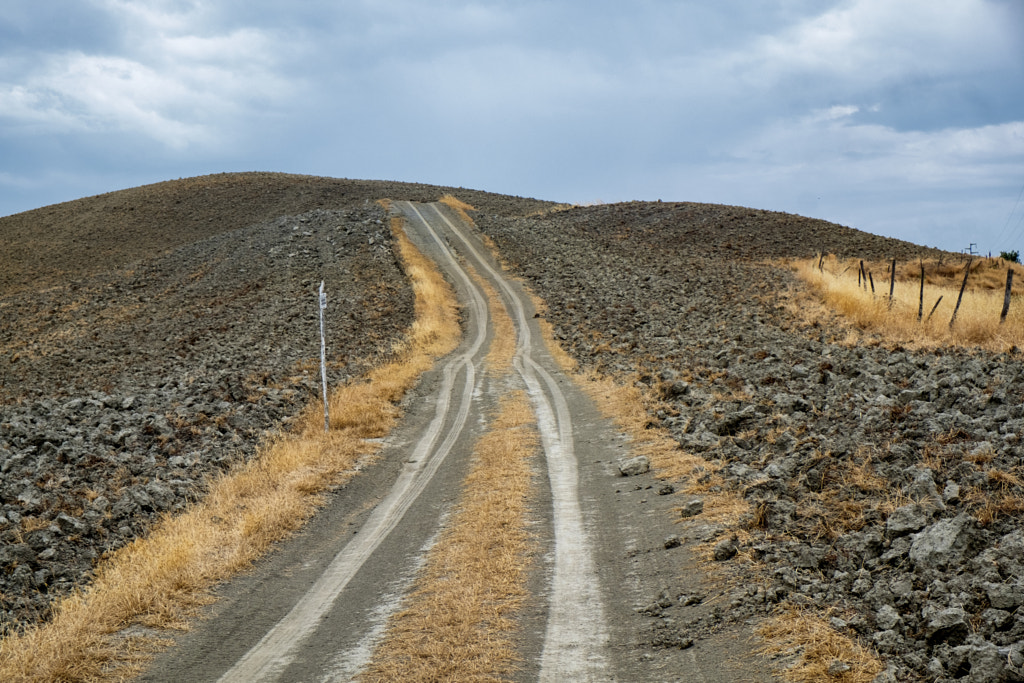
column 899, row 117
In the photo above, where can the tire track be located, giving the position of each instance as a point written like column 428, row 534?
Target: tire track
column 576, row 637
column 278, row 648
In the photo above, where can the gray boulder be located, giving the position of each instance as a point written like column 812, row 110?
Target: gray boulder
column 947, row 625
column 907, row 519
column 1005, row 596
column 944, row 543
column 634, row 466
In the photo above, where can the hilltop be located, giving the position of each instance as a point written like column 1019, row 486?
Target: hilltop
column 152, row 337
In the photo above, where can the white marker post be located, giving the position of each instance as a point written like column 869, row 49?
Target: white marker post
column 323, row 354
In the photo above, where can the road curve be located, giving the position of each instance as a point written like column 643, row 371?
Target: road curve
column 274, row 652
column 576, row 637
column 315, row 610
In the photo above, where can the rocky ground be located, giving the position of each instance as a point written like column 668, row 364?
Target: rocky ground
column 134, row 370
column 885, row 484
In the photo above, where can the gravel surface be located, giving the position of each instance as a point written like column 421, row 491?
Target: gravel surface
column 153, row 338
column 885, row 484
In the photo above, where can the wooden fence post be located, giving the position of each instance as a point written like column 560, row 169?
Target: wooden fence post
column 920, row 302
column 963, row 285
column 937, row 302
column 1006, row 297
column 892, row 281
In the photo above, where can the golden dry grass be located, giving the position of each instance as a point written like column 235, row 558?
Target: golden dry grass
column 160, row 580
column 503, row 345
column 458, row 624
column 977, row 320
column 458, row 206
column 816, row 646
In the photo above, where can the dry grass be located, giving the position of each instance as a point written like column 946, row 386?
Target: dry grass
column 503, row 345
column 458, row 625
column 977, row 321
column 458, row 206
column 816, row 646
column 560, row 355
column 160, row 580
column 1007, row 500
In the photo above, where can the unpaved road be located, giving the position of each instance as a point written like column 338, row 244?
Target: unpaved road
column 314, row 610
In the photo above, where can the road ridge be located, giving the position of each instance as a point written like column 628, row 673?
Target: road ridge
column 576, row 635
column 266, row 660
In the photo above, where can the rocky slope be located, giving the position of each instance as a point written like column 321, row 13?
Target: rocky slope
column 151, row 338
column 885, row 485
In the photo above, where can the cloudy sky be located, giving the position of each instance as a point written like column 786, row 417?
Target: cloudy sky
column 899, row 117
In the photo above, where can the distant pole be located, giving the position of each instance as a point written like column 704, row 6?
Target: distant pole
column 1006, row 297
column 323, row 355
column 963, row 285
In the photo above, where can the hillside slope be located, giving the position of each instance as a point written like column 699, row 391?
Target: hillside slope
column 883, row 487
column 55, row 244
column 150, row 338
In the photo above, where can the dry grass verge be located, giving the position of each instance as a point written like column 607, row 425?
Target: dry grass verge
column 458, row 206
column 160, row 580
column 977, row 320
column 503, row 345
column 458, row 625
column 821, row 653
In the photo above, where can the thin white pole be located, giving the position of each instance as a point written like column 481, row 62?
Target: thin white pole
column 323, row 355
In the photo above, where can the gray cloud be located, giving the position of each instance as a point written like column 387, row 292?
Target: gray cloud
column 898, row 118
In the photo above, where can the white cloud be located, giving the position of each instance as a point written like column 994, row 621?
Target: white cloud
column 869, row 40
column 173, row 82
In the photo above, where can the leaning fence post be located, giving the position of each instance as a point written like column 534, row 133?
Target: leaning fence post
column 1006, row 297
column 892, row 281
column 963, row 285
column 937, row 302
column 872, row 279
column 920, row 301
column 323, row 355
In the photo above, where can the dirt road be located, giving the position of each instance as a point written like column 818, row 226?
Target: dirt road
column 315, row 610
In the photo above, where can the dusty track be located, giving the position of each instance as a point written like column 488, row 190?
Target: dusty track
column 576, row 636
column 317, row 608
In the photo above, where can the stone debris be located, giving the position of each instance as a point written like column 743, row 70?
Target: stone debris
column 140, row 386
column 818, row 435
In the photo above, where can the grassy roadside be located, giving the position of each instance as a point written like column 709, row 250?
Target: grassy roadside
column 160, row 580
column 458, row 622
column 865, row 302
column 805, row 635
